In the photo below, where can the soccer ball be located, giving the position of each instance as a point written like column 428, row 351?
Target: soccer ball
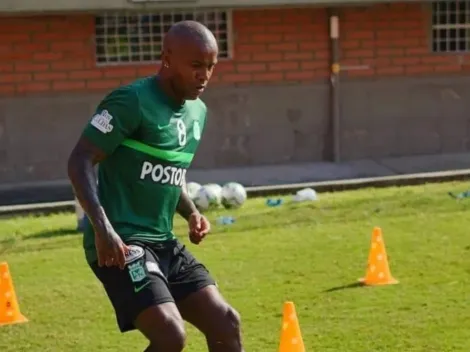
column 233, row 195
column 217, row 190
column 207, row 198
column 192, row 188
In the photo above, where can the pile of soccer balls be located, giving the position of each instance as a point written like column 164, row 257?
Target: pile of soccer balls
column 211, row 196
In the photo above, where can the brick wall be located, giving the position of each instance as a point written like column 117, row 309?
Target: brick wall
column 56, row 53
column 391, row 40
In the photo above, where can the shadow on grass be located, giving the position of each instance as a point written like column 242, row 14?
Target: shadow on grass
column 52, row 233
column 344, row 287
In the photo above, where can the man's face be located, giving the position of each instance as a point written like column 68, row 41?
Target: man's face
column 191, row 68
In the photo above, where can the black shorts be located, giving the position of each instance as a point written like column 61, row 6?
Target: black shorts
column 154, row 274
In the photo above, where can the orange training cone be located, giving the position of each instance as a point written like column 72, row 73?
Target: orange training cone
column 291, row 337
column 9, row 308
column 378, row 271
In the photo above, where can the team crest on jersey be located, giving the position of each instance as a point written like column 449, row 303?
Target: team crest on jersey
column 196, row 130
column 102, row 122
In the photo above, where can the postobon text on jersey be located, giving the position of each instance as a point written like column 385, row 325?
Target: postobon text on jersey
column 163, row 174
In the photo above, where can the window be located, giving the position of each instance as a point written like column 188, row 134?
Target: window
column 131, row 37
column 451, row 26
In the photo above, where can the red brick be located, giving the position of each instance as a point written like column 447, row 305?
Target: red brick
column 266, row 38
column 236, row 77
column 147, row 70
column 301, row 75
column 32, row 87
column 359, row 53
column 31, row 67
column 306, row 46
column 254, row 28
column 5, row 48
column 283, row 66
column 393, row 34
column 68, row 85
column 436, row 59
column 48, row 36
column 103, row 84
column 67, row 66
column 50, row 76
column 47, row 56
column 283, row 47
column 298, row 56
column 243, row 57
column 15, row 56
column 223, row 67
column 416, row 51
column 313, row 65
column 390, row 52
column 15, row 77
column 250, row 48
column 6, row 68
column 120, row 72
column 251, row 67
column 7, row 89
column 268, row 77
column 406, row 60
column 352, row 44
column 419, row 69
column 448, row 68
column 30, row 47
column 76, row 46
column 85, row 74
column 359, row 35
column 386, row 71
column 322, row 54
column 299, row 36
column 14, row 37
column 266, row 57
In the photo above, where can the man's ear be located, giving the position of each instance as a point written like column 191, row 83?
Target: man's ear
column 166, row 59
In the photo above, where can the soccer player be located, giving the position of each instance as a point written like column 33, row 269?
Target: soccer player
column 144, row 136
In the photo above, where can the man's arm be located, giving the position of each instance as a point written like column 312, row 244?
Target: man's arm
column 185, row 205
column 82, row 176
column 116, row 117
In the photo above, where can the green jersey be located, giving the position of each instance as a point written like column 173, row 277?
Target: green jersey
column 150, row 142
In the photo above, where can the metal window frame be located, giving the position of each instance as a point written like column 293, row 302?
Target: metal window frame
column 432, row 27
column 228, row 25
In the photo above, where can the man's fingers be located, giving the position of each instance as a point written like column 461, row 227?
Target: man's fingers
column 100, row 260
column 109, row 261
column 121, row 256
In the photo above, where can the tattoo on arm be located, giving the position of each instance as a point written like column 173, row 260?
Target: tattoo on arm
column 83, row 178
column 185, row 205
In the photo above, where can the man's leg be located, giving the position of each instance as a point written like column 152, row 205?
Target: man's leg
column 201, row 304
column 142, row 300
column 163, row 326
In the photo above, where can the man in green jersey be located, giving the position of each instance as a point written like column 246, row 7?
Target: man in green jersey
column 144, row 136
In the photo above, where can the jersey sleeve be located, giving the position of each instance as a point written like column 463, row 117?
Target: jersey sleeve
column 115, row 119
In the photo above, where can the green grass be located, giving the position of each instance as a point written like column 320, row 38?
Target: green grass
column 297, row 252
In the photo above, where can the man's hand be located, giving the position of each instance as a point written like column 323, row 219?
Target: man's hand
column 110, row 248
column 199, row 227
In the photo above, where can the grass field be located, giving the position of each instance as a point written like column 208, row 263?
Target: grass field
column 303, row 252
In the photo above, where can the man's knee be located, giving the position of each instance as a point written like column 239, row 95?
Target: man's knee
column 229, row 323
column 173, row 333
column 163, row 327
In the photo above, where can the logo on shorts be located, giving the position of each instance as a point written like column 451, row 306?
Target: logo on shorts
column 135, row 252
column 102, row 122
column 137, row 271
